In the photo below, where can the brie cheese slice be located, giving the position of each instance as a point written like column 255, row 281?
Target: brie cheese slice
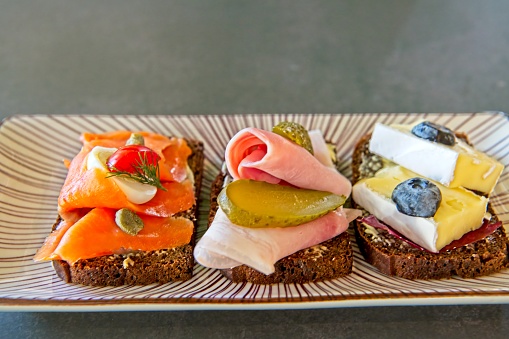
column 453, row 166
column 460, row 211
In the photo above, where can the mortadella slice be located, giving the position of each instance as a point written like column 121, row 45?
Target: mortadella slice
column 261, row 155
column 226, row 245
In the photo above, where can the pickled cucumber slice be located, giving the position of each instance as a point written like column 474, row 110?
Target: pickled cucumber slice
column 259, row 204
column 294, row 132
column 128, row 221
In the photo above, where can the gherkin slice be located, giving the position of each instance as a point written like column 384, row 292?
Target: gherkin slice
column 332, row 153
column 258, row 204
column 294, row 132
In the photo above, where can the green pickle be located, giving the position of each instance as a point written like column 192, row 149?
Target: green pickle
column 258, row 204
column 294, row 132
column 332, row 153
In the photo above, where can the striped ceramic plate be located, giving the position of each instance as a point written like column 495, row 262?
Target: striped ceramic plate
column 31, row 174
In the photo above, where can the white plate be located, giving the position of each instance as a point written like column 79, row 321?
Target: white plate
column 31, row 173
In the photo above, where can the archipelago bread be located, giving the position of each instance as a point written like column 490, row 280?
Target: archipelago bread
column 392, row 256
column 276, row 212
column 327, row 260
column 138, row 267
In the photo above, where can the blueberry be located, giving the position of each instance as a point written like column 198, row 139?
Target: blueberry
column 434, row 132
column 417, row 197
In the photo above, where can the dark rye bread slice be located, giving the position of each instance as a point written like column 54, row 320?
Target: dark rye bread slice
column 141, row 268
column 395, row 257
column 328, row 260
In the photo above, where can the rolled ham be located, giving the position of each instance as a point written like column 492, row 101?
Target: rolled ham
column 261, row 155
column 226, row 245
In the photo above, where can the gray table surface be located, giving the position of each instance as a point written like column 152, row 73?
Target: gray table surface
column 222, row 57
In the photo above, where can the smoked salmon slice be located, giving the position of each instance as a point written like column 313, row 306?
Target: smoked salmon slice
column 54, row 238
column 96, row 234
column 173, row 151
column 89, row 188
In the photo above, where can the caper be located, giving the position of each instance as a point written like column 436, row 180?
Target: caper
column 128, row 221
column 135, row 139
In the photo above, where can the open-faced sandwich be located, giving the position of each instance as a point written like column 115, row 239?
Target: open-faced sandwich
column 127, row 210
column 425, row 192
column 276, row 210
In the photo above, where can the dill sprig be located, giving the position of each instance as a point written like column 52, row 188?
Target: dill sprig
column 144, row 172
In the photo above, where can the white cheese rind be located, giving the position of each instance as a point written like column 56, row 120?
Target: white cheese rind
column 432, row 160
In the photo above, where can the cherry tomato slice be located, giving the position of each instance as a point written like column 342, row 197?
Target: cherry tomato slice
column 127, row 158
